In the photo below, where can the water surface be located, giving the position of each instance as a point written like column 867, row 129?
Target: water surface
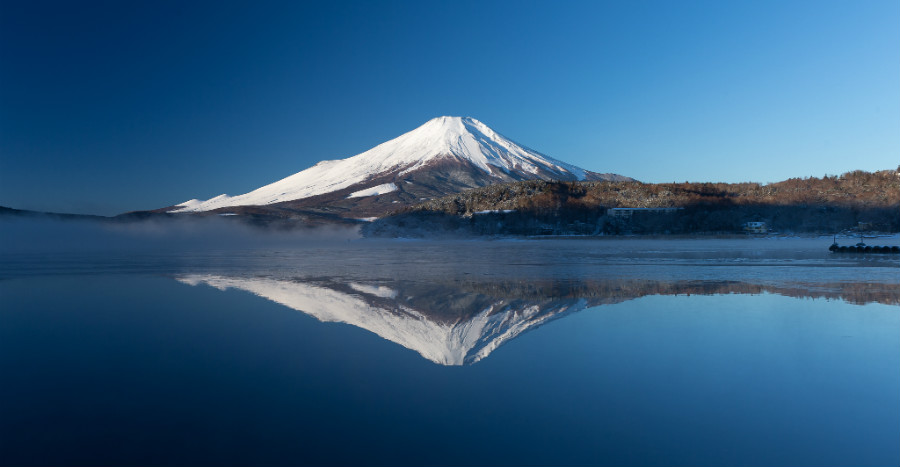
column 611, row 352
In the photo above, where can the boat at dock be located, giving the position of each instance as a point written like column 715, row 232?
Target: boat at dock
column 861, row 247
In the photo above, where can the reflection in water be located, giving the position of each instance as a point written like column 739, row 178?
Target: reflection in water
column 106, row 358
column 462, row 322
column 446, row 326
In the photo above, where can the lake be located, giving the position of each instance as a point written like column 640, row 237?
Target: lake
column 768, row 351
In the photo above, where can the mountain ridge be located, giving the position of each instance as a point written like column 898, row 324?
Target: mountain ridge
column 443, row 156
column 829, row 204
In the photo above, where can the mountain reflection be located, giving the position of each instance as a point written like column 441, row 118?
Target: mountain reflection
column 462, row 322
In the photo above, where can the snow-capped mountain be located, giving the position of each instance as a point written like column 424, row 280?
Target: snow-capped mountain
column 445, row 155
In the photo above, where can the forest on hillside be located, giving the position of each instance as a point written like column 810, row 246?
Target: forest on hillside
column 852, row 201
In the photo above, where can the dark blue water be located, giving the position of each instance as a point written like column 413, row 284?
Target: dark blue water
column 634, row 368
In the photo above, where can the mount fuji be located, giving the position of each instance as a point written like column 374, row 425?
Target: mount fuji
column 446, row 155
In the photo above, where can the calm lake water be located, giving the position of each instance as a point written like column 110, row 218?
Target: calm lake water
column 605, row 352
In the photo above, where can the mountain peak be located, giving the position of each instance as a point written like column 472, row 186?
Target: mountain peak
column 450, row 119
column 464, row 141
column 454, row 126
column 453, row 129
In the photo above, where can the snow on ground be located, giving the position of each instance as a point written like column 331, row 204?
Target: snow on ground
column 376, row 290
column 375, row 190
column 495, row 211
column 190, row 204
column 462, row 138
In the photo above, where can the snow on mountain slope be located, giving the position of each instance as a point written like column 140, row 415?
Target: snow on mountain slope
column 461, row 138
column 446, row 343
column 375, row 190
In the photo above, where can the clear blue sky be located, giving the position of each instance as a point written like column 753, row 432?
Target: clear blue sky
column 119, row 106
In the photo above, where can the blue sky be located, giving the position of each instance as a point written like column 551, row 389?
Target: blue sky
column 118, row 106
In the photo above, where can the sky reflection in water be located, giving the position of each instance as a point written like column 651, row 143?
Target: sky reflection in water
column 736, row 353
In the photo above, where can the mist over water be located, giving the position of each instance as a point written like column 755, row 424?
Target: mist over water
column 221, row 246
column 188, row 233
column 209, row 342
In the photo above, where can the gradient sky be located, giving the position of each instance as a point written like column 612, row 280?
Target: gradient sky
column 120, row 106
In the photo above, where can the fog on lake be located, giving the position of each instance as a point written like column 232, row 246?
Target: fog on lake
column 144, row 348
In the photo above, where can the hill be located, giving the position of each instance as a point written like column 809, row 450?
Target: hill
column 828, row 204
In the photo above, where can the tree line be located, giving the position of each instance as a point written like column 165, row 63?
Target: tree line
column 854, row 200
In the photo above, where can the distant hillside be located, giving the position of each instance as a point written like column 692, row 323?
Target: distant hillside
column 828, row 204
column 6, row 212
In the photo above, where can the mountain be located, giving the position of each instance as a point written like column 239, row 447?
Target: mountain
column 6, row 212
column 446, row 155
